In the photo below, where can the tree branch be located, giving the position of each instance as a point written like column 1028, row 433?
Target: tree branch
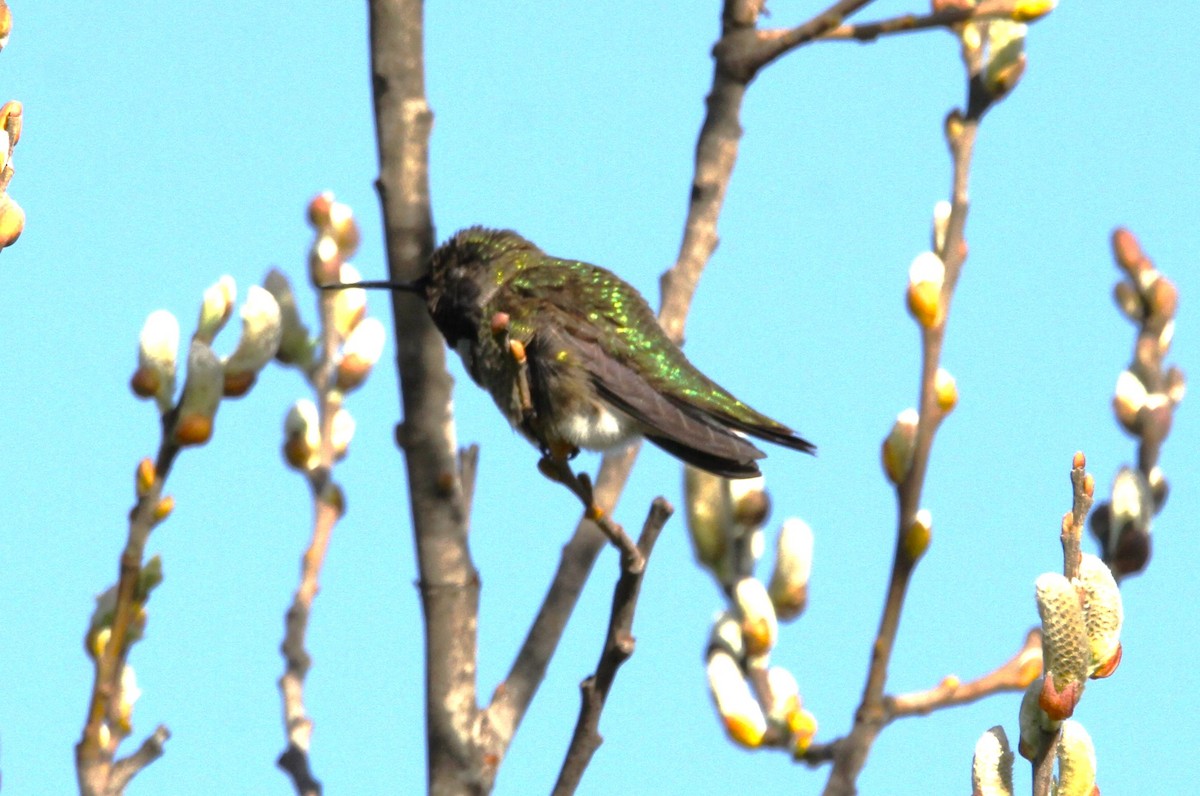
column 125, row 769
column 1147, row 395
column 95, row 752
column 513, row 696
column 1015, row 674
column 618, row 647
column 944, row 18
column 744, row 49
column 449, row 583
column 737, row 56
column 871, row 716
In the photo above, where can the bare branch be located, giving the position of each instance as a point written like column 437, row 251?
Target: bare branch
column 618, row 646
column 872, row 715
column 1083, row 487
column 559, row 470
column 738, row 55
column 1015, row 674
column 96, row 749
column 513, row 696
column 948, row 18
column 125, row 769
column 716, row 151
column 449, row 583
column 468, row 469
column 296, row 723
column 744, row 49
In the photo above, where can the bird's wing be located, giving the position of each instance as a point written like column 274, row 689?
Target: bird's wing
column 691, row 436
column 632, row 364
column 632, row 334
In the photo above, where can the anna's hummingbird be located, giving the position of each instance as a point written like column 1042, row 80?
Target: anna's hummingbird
column 574, row 357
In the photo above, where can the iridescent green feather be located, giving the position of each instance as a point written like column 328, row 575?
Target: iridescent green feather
column 633, row 334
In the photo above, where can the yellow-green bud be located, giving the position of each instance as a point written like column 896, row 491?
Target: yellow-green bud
column 709, row 517
column 201, row 395
column 793, row 565
column 1036, row 725
column 1076, row 761
column 991, row 768
column 129, row 694
column 216, row 308
column 302, row 436
column 342, row 432
column 785, row 697
column 158, row 350
column 726, row 634
column 1103, row 614
column 899, row 446
column 349, row 304
column 925, row 278
column 295, row 346
column 1128, row 400
column 361, row 351
column 1064, row 644
column 1006, row 55
column 739, row 710
column 945, row 390
column 760, row 628
column 941, row 221
column 918, row 535
column 261, row 332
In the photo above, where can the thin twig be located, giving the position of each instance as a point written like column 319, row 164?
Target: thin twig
column 913, row 23
column 716, row 153
column 618, row 647
column 328, row 507
column 93, row 757
column 513, row 696
column 294, row 762
column 125, row 769
column 737, row 57
column 1043, row 763
column 1015, row 674
column 744, row 49
column 1145, row 402
column 297, row 724
column 1083, row 487
column 872, row 716
column 403, row 120
column 468, row 469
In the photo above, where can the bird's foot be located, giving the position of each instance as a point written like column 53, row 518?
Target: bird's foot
column 556, row 469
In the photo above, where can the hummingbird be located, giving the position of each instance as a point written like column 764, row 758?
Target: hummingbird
column 574, row 357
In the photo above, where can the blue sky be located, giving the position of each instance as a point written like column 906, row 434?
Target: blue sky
column 162, row 150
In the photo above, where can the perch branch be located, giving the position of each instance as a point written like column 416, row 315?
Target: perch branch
column 1015, row 674
column 618, row 647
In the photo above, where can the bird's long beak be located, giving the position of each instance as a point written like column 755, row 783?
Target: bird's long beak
column 416, row 286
